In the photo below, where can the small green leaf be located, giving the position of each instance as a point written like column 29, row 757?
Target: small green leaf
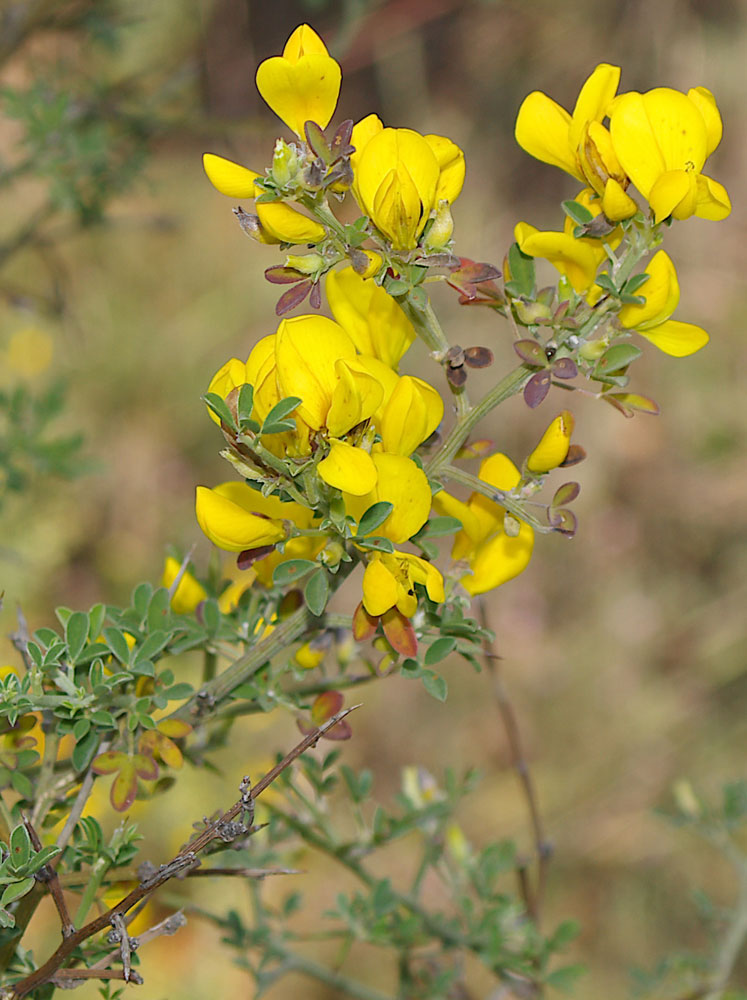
column 219, row 407
column 316, row 592
column 636, row 282
column 522, row 271
column 435, row 685
column 375, row 542
column 141, row 596
column 280, row 411
column 158, row 609
column 291, row 571
column 20, row 847
column 15, row 890
column 152, row 646
column 96, row 617
column 179, row 691
column 565, row 979
column 374, row 517
column 437, row 527
column 616, row 358
column 84, row 751
column 21, row 783
column 277, row 426
column 41, row 858
column 439, row 650
column 245, row 404
column 396, row 287
column 76, row 634
column 115, row 640
column 577, row 213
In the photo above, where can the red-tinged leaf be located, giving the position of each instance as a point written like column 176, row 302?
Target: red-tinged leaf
column 315, row 299
column 620, row 407
column 399, row 632
column 340, row 145
column 456, row 376
column 476, row 272
column 108, row 762
column 632, row 401
column 566, row 493
column 245, row 559
column 145, row 766
column 124, row 787
column 561, row 311
column 317, row 141
column 341, row 731
column 563, row 521
column 478, row 357
column 530, row 352
column 537, row 389
column 177, row 729
column 564, row 368
column 293, row 297
column 148, row 742
column 575, row 455
column 438, row 260
column 169, row 752
column 325, row 706
column 364, row 625
column 279, row 275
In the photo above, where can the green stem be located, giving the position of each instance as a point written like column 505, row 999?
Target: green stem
column 736, row 933
column 516, row 507
column 98, row 871
column 509, row 386
column 330, row 977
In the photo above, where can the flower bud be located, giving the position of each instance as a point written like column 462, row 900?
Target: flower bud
column 554, row 444
column 284, row 163
column 309, row 263
column 442, row 228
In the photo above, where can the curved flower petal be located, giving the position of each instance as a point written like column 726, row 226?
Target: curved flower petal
column 451, row 165
column 413, row 412
column 374, row 320
column 232, row 527
column 499, row 560
column 593, row 100
column 574, row 258
column 616, row 202
column 229, row 376
column 355, row 398
column 228, row 177
column 674, row 193
column 676, row 339
column 705, row 102
column 542, row 131
column 712, row 200
column 552, row 449
column 381, row 590
column 302, row 90
column 286, row 225
column 190, row 591
column 404, row 485
column 635, row 141
column 348, row 468
column 302, row 41
column 661, row 291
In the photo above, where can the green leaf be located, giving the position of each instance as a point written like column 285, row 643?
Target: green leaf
column 316, row 592
column 565, row 979
column 158, row 609
column 396, row 287
column 96, row 617
column 20, row 847
column 278, row 426
column 291, row 571
column 152, row 646
column 179, row 691
column 84, row 751
column 437, row 527
column 374, row 517
column 76, row 634
column 15, row 890
column 115, row 640
column 522, row 271
column 280, row 411
column 579, row 214
column 439, row 650
column 42, row 857
column 375, row 542
column 636, row 282
column 245, row 404
column 141, row 596
column 435, row 685
column 616, row 358
column 220, row 408
column 22, row 784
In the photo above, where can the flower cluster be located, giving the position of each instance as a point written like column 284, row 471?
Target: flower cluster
column 344, row 459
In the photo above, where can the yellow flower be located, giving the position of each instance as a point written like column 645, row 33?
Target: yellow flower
column 577, row 259
column 412, row 413
column 662, row 139
column 29, row 351
column 229, row 376
column 227, row 515
column 579, row 143
column 190, row 591
column 369, row 315
column 493, row 556
column 552, row 449
column 651, row 320
column 278, row 222
column 404, row 485
column 389, row 582
column 400, row 177
column 303, row 84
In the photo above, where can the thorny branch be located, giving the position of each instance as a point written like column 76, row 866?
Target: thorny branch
column 182, row 862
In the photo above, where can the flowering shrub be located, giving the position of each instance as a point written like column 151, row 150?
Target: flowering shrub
column 345, row 462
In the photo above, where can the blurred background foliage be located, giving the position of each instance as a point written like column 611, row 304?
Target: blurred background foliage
column 123, row 274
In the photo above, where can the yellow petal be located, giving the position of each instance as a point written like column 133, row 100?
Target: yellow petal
column 552, row 449
column 302, row 42
column 231, row 527
column 574, row 258
column 380, row 590
column 401, row 483
column 542, row 130
column 712, row 200
column 661, row 291
column 375, row 322
column 499, row 560
column 679, row 127
column 413, row 412
column 397, row 209
column 593, row 100
column 188, row 594
column 635, row 142
column 286, row 225
column 674, row 193
column 306, row 350
column 306, row 90
column 363, row 132
column 705, row 102
column 451, row 164
column 449, row 506
column 616, row 202
column 355, row 398
column 675, row 338
column 228, row 177
column 425, row 573
column 228, row 377
column 252, row 501
column 348, row 468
